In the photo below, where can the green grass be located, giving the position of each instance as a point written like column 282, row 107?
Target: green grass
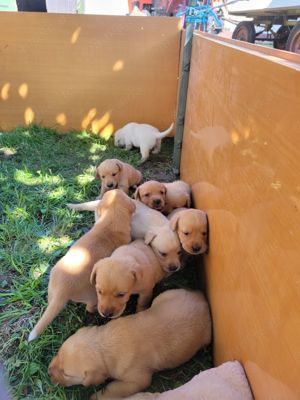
column 41, row 171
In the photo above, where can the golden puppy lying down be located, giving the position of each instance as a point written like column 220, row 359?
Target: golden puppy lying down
column 131, row 269
column 164, row 197
column 153, row 227
column 131, row 348
column 70, row 277
column 192, row 228
column 115, row 174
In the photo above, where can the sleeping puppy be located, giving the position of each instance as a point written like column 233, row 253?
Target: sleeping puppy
column 115, row 174
column 153, row 227
column 70, row 277
column 192, row 228
column 130, row 349
column 164, row 197
column 131, row 269
column 144, row 136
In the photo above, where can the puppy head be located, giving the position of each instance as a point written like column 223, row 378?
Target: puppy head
column 165, row 244
column 192, row 229
column 153, row 194
column 114, row 280
column 119, row 140
column 115, row 201
column 109, row 173
column 77, row 363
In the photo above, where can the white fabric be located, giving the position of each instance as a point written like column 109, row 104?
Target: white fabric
column 226, row 382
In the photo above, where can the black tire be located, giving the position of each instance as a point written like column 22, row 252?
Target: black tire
column 293, row 42
column 282, row 36
column 32, row 5
column 245, row 31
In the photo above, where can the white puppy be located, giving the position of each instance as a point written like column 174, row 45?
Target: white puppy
column 144, row 136
column 153, row 227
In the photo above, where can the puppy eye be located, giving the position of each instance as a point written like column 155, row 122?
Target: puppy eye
column 102, row 176
column 186, row 233
column 179, row 252
column 204, row 233
column 162, row 192
column 147, row 194
column 99, row 291
column 120, row 294
column 162, row 254
column 114, row 174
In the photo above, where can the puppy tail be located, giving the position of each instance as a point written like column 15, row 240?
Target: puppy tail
column 53, row 309
column 88, row 206
column 163, row 134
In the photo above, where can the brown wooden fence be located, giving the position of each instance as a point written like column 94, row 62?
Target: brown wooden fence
column 241, row 153
column 87, row 72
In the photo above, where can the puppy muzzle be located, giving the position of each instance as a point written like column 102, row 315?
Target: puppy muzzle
column 111, row 185
column 173, row 268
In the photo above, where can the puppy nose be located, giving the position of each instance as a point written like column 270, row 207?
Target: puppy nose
column 173, row 268
column 196, row 248
column 110, row 185
column 157, row 201
column 108, row 313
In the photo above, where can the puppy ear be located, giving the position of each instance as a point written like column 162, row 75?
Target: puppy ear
column 150, row 235
column 137, row 195
column 120, row 166
column 174, row 222
column 137, row 274
column 188, row 200
column 93, row 275
column 93, row 377
column 207, row 230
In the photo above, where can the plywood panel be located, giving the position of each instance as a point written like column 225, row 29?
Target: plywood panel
column 241, row 153
column 84, row 71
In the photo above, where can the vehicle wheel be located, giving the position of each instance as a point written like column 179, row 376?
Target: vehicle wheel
column 244, row 31
column 281, row 37
column 293, row 42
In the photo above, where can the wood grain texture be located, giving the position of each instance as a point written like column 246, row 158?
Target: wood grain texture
column 88, row 72
column 241, row 153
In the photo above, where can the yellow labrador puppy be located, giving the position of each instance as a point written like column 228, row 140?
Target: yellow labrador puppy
column 192, row 228
column 115, row 174
column 153, row 227
column 70, row 277
column 131, row 269
column 164, row 197
column 146, row 137
column 130, row 349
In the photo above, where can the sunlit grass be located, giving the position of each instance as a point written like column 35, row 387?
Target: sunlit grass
column 40, row 174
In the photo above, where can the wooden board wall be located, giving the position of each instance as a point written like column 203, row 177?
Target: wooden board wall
column 88, row 72
column 241, row 153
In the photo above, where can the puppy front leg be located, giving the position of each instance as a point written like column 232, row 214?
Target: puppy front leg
column 103, row 190
column 123, row 187
column 91, row 308
column 120, row 389
column 143, row 300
